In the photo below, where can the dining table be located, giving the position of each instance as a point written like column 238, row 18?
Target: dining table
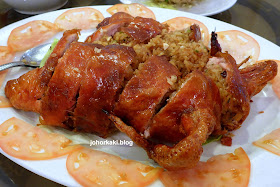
column 258, row 16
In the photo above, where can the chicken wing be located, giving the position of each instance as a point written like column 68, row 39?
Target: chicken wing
column 192, row 113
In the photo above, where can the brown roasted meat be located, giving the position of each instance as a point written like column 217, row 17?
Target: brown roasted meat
column 139, row 29
column 60, row 96
column 168, row 94
column 100, row 88
column 190, row 117
column 25, row 93
column 145, row 91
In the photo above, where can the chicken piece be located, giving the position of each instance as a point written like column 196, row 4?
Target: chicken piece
column 257, row 76
column 195, row 33
column 117, row 17
column 109, row 26
column 173, row 122
column 100, row 88
column 197, row 115
column 143, row 29
column 60, row 96
column 140, row 29
column 235, row 98
column 215, row 46
column 26, row 92
column 145, row 91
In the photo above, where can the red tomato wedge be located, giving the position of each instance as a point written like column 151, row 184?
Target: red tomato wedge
column 24, row 141
column 31, row 34
column 239, row 45
column 4, row 102
column 270, row 142
column 221, row 170
column 79, row 18
column 133, row 9
column 94, row 168
column 180, row 23
column 5, row 56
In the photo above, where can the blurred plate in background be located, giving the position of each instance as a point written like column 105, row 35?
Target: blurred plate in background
column 204, row 7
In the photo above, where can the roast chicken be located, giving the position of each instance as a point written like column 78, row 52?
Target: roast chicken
column 169, row 112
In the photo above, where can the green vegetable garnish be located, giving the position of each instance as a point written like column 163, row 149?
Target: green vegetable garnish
column 212, row 139
column 48, row 53
column 160, row 4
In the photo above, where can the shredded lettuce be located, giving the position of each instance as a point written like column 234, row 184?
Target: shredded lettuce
column 212, row 139
column 48, row 53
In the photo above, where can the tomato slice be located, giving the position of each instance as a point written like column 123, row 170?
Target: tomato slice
column 4, row 102
column 239, row 45
column 6, row 55
column 79, row 18
column 91, row 168
column 221, row 170
column 270, row 142
column 180, row 23
column 133, row 9
column 31, row 34
column 24, row 141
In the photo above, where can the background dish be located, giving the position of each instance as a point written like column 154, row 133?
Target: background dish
column 204, row 8
column 265, row 168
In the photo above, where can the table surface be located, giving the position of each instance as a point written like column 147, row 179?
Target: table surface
column 258, row 16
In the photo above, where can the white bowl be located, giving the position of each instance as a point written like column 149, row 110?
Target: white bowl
column 35, row 6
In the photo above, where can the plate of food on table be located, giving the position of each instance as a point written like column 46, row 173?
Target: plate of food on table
column 200, row 7
column 138, row 96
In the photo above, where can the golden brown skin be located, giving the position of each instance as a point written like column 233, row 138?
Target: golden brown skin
column 257, row 76
column 144, row 92
column 60, row 96
column 240, row 85
column 109, row 26
column 234, row 95
column 143, row 29
column 174, row 122
column 193, row 111
column 100, row 88
column 26, row 91
column 140, row 29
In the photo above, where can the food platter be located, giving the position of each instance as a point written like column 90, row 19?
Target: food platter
column 264, row 165
column 204, row 8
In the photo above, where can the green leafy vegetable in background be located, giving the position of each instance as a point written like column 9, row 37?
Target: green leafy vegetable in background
column 212, row 139
column 48, row 53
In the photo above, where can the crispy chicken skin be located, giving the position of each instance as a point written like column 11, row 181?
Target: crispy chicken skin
column 192, row 113
column 139, row 29
column 235, row 98
column 174, row 121
column 236, row 86
column 143, row 29
column 26, row 92
column 145, row 91
column 257, row 76
column 109, row 26
column 60, row 96
column 168, row 110
column 100, row 88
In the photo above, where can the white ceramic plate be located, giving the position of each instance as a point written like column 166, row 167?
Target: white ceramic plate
column 265, row 166
column 204, row 8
